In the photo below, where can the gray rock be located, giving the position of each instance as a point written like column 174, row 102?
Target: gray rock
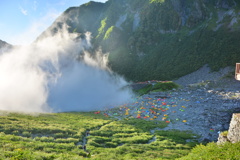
column 234, row 129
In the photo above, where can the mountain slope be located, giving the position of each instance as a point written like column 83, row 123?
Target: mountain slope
column 158, row 39
column 4, row 46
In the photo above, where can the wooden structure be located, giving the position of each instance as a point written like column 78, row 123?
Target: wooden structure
column 237, row 72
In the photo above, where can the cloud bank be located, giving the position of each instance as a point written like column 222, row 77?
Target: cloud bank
column 56, row 74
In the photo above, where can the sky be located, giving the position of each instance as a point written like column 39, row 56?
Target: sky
column 22, row 21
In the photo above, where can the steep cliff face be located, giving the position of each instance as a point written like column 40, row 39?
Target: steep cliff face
column 159, row 39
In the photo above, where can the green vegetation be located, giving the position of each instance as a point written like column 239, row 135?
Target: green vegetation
column 152, row 39
column 178, row 136
column 157, row 1
column 164, row 49
column 102, row 28
column 165, row 86
column 60, row 136
column 108, row 33
column 158, row 87
column 173, row 55
column 144, row 90
column 225, row 133
column 212, row 152
column 45, row 136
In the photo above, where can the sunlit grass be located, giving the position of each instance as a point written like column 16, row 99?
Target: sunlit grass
column 60, row 136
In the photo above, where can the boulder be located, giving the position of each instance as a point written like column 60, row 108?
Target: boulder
column 233, row 134
column 234, row 129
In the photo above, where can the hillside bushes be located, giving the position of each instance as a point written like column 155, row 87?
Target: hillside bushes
column 158, row 87
column 214, row 151
column 165, row 86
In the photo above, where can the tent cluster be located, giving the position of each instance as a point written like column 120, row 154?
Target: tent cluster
column 151, row 108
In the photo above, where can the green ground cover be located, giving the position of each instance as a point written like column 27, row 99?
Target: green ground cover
column 158, row 87
column 61, row 136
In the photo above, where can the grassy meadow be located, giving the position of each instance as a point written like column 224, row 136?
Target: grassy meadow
column 63, row 136
column 77, row 135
